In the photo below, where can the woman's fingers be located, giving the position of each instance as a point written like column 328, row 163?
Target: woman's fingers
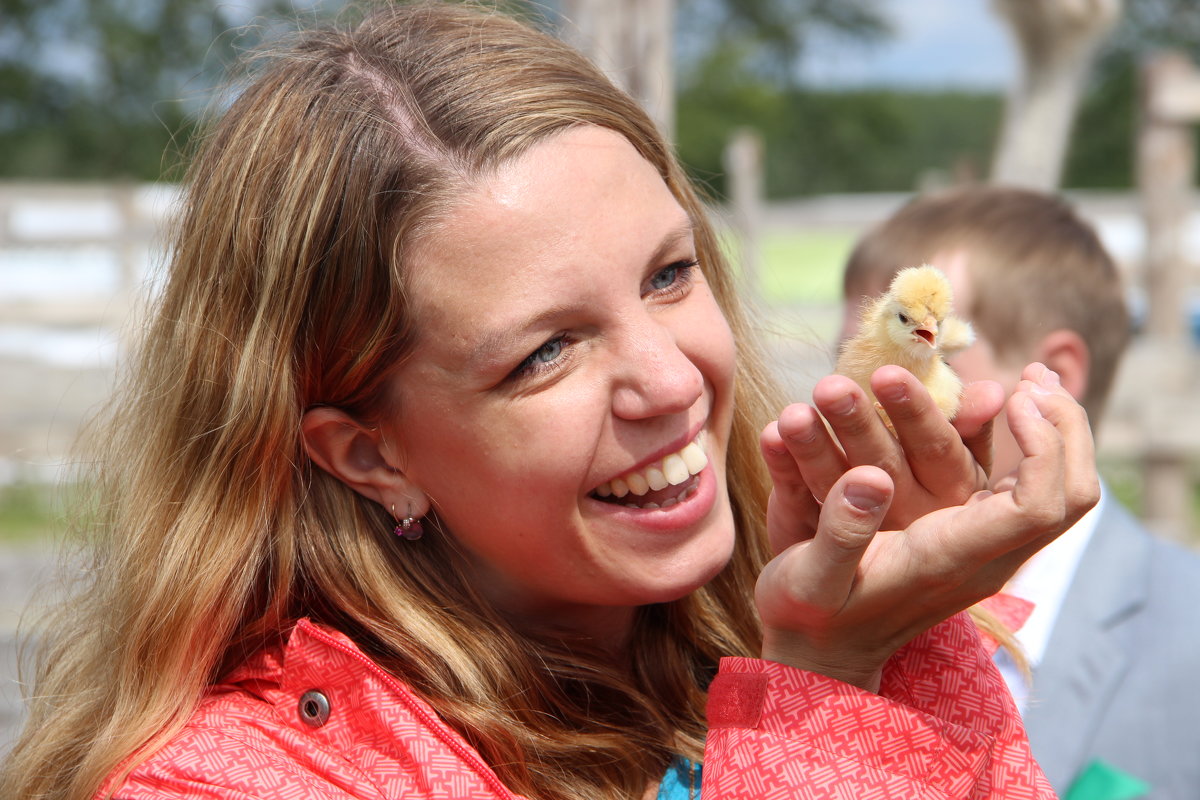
column 792, row 510
column 932, row 447
column 927, row 458
column 855, row 421
column 1048, row 420
column 819, row 458
column 816, row 576
column 1054, row 485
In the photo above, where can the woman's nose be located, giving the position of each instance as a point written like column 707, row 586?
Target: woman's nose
column 655, row 376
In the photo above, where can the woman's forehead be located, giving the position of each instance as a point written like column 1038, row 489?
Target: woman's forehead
column 583, row 196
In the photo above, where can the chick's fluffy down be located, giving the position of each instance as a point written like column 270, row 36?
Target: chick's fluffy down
column 910, row 325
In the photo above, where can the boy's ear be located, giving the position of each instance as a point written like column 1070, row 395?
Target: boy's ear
column 359, row 457
column 1065, row 352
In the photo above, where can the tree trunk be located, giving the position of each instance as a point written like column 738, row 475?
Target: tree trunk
column 631, row 41
column 1057, row 40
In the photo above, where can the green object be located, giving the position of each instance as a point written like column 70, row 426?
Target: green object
column 1101, row 781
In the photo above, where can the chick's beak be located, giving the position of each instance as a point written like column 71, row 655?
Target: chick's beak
column 928, row 330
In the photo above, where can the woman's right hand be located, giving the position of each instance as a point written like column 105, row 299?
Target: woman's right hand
column 842, row 601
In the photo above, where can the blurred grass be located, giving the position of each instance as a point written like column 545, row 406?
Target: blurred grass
column 804, row 268
column 30, row 514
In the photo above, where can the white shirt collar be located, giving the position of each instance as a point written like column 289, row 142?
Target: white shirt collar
column 1043, row 580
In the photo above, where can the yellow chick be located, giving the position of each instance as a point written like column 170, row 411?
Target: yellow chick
column 910, row 325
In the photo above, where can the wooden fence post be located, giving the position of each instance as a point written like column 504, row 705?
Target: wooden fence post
column 1056, row 40
column 631, row 41
column 1166, row 161
column 743, row 161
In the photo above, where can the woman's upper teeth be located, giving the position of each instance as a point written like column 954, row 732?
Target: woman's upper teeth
column 671, row 471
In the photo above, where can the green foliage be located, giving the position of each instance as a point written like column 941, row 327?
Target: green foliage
column 110, row 89
column 1104, row 140
column 769, row 36
column 1101, row 151
column 103, row 88
column 853, row 141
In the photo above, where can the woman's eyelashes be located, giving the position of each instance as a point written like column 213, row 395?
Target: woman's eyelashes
column 675, row 278
column 545, row 358
column 670, row 282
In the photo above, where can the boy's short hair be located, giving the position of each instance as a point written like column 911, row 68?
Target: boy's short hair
column 1034, row 265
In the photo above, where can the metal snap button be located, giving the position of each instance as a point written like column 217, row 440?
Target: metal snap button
column 314, row 708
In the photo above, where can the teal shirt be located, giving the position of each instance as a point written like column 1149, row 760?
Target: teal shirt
column 682, row 781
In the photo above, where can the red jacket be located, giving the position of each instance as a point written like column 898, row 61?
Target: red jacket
column 317, row 720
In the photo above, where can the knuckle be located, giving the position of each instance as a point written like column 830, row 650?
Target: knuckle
column 892, row 463
column 938, row 448
column 1085, row 496
column 848, row 540
column 856, row 425
column 1050, row 516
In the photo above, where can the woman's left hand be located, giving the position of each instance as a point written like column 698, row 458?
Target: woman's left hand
column 843, row 601
column 932, row 463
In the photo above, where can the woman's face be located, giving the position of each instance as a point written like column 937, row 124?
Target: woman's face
column 568, row 348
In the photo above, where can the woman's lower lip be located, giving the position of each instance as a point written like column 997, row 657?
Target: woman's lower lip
column 683, row 514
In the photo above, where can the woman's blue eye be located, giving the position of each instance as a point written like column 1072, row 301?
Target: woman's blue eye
column 673, row 277
column 547, row 352
column 545, row 357
column 664, row 277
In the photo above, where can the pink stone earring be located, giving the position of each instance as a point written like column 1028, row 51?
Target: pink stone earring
column 408, row 528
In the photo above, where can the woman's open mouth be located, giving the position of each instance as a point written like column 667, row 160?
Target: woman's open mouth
column 658, row 485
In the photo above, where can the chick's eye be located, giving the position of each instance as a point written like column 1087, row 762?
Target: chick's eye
column 903, row 318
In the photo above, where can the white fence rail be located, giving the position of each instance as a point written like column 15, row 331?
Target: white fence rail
column 73, row 255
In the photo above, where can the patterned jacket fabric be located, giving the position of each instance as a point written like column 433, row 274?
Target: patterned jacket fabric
column 316, row 719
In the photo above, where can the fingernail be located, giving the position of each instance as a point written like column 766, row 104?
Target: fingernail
column 1050, row 378
column 865, row 498
column 1032, row 406
column 843, row 405
column 895, row 392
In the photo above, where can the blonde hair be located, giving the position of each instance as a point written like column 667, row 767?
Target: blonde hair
column 1035, row 267
column 214, row 533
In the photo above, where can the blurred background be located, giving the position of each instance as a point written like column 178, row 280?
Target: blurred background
column 806, row 121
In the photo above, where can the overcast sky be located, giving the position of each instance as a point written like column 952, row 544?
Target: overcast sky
column 938, row 43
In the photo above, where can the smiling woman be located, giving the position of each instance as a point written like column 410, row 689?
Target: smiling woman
column 605, row 354
column 436, row 275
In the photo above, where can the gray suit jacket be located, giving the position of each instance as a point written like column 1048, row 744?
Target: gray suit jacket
column 1120, row 679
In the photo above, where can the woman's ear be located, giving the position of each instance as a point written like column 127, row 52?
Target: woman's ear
column 1065, row 352
column 359, row 457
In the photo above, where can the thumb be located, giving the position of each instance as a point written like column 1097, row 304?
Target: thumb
column 817, row 576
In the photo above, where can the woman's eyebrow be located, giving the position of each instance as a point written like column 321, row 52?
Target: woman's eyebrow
column 497, row 344
column 671, row 240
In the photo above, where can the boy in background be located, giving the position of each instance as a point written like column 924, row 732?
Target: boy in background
column 1114, row 637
